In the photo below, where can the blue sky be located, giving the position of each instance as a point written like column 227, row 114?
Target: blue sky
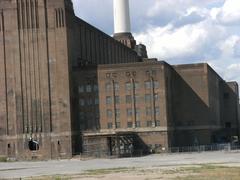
column 179, row 31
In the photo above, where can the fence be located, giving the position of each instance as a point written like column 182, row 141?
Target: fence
column 159, row 150
column 201, row 148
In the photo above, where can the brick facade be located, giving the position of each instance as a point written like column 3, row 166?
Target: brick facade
column 62, row 81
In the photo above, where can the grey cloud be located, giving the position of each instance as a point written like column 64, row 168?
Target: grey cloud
column 192, row 18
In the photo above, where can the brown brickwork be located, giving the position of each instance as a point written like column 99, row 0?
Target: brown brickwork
column 40, row 42
column 63, row 81
column 165, row 106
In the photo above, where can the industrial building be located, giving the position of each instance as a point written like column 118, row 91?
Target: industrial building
column 67, row 88
column 152, row 105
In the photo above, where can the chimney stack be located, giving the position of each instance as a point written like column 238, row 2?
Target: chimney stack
column 121, row 17
column 122, row 25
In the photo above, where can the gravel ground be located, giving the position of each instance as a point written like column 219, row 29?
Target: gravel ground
column 75, row 166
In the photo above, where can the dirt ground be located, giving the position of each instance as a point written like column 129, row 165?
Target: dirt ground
column 194, row 172
column 222, row 165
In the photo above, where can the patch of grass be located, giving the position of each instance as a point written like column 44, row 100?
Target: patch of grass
column 209, row 172
column 3, row 159
column 86, row 174
column 106, row 171
column 55, row 177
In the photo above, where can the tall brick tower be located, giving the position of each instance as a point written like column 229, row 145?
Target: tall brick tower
column 34, row 79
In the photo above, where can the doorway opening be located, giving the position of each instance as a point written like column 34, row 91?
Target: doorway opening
column 33, row 145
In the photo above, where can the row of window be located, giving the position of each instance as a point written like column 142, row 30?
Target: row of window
column 88, row 101
column 129, row 99
column 88, row 88
column 138, row 124
column 149, row 112
column 108, row 86
column 84, row 116
column 130, row 86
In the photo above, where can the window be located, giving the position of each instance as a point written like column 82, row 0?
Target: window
column 97, row 113
column 148, row 85
column 88, row 88
column 137, row 85
column 89, row 101
column 95, row 88
column 116, row 86
column 81, row 102
column 130, row 124
column 148, row 111
column 147, row 98
column 156, row 97
column 81, row 115
column 128, row 86
column 156, row 84
column 117, row 112
column 108, row 100
column 109, row 113
column 108, row 87
column 137, row 99
column 118, row 125
column 128, row 99
column 157, row 123
column 138, row 124
column 81, row 89
column 138, row 114
column 129, row 112
column 149, row 123
column 117, row 99
column 157, row 111
column 96, row 101
column 109, row 125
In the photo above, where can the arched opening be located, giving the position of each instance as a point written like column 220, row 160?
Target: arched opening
column 33, row 145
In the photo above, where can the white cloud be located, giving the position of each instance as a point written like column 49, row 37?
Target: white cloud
column 228, row 45
column 232, row 73
column 179, row 31
column 234, row 67
column 189, row 43
column 198, row 33
column 230, row 12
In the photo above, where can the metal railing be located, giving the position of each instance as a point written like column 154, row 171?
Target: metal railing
column 201, row 148
column 97, row 153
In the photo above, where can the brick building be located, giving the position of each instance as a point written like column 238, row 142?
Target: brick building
column 153, row 105
column 41, row 41
column 54, row 89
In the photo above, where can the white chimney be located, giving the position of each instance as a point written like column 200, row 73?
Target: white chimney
column 121, row 16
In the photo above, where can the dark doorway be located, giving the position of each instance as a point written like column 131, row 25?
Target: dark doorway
column 33, row 145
